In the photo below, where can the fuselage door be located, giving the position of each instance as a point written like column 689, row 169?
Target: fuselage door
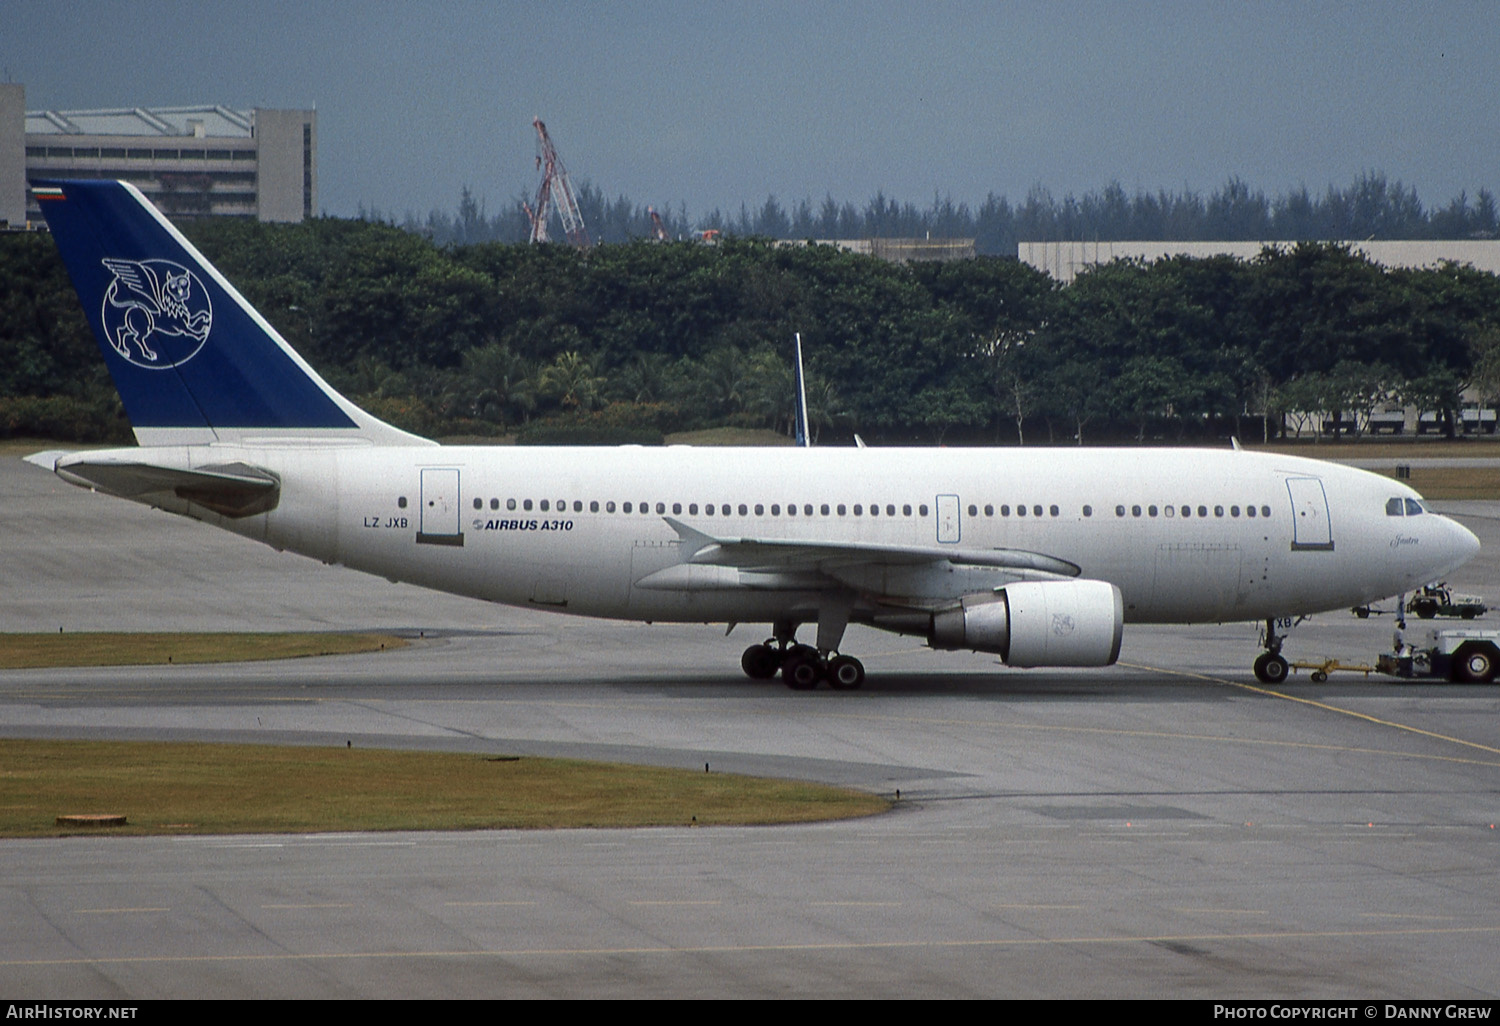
column 1310, row 526
column 949, row 527
column 437, row 520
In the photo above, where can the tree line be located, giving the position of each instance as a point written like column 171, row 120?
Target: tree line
column 1372, row 207
column 635, row 339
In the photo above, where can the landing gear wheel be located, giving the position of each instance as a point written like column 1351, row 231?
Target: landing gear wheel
column 1319, row 677
column 1270, row 668
column 1474, row 665
column 760, row 662
column 845, row 673
column 802, row 672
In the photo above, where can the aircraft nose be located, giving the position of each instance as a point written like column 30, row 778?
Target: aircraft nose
column 1460, row 545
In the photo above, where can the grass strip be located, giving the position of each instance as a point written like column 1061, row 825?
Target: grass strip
column 37, row 650
column 194, row 788
column 1453, row 482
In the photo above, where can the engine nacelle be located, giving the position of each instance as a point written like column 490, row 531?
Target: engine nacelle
column 1038, row 623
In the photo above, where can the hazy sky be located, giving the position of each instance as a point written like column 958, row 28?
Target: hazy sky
column 712, row 103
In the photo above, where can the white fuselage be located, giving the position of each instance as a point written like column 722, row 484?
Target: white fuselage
column 576, row 529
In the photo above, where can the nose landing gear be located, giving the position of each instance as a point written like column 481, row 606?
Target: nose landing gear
column 1271, row 667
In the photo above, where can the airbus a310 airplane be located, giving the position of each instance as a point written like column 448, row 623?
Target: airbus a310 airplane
column 1038, row 555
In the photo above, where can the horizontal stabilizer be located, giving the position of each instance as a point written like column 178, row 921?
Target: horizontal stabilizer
column 230, row 489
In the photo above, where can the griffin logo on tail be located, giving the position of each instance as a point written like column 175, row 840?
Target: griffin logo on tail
column 155, row 303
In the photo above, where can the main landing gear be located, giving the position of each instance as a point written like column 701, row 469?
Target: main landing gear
column 802, row 667
column 1271, row 668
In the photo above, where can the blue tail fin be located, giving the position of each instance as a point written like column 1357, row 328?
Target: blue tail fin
column 193, row 361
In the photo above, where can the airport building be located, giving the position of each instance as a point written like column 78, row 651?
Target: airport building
column 1064, row 260
column 898, row 251
column 206, row 161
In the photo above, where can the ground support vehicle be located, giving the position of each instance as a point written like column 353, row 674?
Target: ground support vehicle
column 1462, row 655
column 1440, row 600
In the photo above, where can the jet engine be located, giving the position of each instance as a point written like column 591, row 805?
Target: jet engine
column 1038, row 623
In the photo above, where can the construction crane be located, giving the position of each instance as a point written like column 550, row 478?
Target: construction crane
column 557, row 188
column 658, row 229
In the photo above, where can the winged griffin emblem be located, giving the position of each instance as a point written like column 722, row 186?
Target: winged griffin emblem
column 156, row 313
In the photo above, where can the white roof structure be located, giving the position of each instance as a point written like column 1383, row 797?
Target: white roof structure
column 209, row 121
column 1063, row 260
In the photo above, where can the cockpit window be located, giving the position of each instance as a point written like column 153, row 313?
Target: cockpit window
column 1393, row 507
column 1413, row 507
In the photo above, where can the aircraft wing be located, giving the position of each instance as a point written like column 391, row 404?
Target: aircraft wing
column 902, row 572
column 229, row 489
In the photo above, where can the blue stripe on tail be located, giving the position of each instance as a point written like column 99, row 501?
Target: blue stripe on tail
column 183, row 346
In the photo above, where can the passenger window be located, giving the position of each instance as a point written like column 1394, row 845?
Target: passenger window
column 1170, row 511
column 858, row 510
column 676, row 508
column 1265, row 511
column 973, row 511
column 707, row 509
column 1203, row 511
column 1005, row 511
column 401, row 502
column 874, row 510
column 479, row 504
column 494, row 504
column 626, row 508
column 661, row 507
column 526, row 505
column 692, row 509
column 989, row 510
column 744, row 510
column 1088, row 511
column 1187, row 511
column 609, row 507
column 842, row 509
column 807, row 509
column 1119, row 511
column 1135, row 511
column 543, row 506
column 594, row 506
column 823, row 509
column 1250, row 511
column 1234, row 511
column 1020, row 511
column 775, row 509
column 890, row 509
column 906, row 510
column 760, row 510
column 1151, row 510
column 510, row 504
column 1218, row 511
column 921, row 511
